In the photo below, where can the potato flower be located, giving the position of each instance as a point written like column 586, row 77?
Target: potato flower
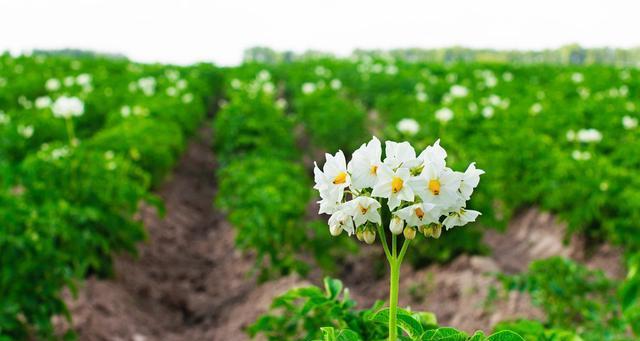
column 401, row 192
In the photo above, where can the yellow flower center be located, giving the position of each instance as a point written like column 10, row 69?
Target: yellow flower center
column 396, row 184
column 434, row 186
column 363, row 209
column 419, row 213
column 340, row 178
column 374, row 170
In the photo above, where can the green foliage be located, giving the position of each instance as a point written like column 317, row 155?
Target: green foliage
column 152, row 145
column 575, row 298
column 266, row 200
column 252, row 125
column 66, row 208
column 332, row 121
column 310, row 313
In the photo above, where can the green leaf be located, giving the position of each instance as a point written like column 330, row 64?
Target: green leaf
column 478, row 336
column 333, row 287
column 443, row 334
column 406, row 322
column 505, row 335
column 330, row 334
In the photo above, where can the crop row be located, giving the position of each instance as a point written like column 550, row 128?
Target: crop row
column 82, row 140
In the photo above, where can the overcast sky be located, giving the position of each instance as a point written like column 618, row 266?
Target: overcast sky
column 185, row 31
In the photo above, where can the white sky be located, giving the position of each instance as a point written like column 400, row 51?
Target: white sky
column 185, row 31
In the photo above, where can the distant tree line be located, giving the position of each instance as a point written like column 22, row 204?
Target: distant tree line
column 569, row 54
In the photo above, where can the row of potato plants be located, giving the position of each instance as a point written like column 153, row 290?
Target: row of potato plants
column 82, row 143
column 562, row 138
column 263, row 185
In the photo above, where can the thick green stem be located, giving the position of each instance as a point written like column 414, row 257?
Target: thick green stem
column 393, row 300
column 394, row 264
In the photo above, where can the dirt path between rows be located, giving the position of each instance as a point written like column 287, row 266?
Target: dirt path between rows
column 189, row 282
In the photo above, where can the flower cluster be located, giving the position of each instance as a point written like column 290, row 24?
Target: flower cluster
column 67, row 107
column 416, row 193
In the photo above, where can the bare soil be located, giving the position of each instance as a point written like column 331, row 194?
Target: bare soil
column 189, row 283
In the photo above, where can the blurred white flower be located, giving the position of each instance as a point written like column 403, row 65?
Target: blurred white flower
column 171, row 91
column 69, row 81
column 236, row 83
column 421, row 96
column 589, row 135
column 577, row 77
column 52, row 84
column 43, row 102
column 147, row 85
column 263, row 75
column 83, row 79
column 125, row 111
column 535, row 109
column 488, row 112
column 571, row 135
column 187, row 98
column 308, row 88
column 507, row 76
column 408, row 126
column 25, row 131
column 4, row 118
column 336, row 84
column 67, row 107
column 281, row 103
column 444, row 115
column 629, row 122
column 458, row 91
column 580, row 156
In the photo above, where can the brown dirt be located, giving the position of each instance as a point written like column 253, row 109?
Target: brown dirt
column 457, row 292
column 189, row 283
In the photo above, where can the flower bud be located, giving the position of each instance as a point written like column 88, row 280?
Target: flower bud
column 369, row 236
column 360, row 235
column 396, row 225
column 335, row 229
column 436, row 230
column 409, row 233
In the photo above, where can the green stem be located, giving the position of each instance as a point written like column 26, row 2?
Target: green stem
column 393, row 291
column 70, row 133
column 393, row 301
column 383, row 238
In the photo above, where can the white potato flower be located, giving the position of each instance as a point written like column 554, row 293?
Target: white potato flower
column 629, row 122
column 460, row 217
column 393, row 185
column 364, row 209
column 43, row 102
column 418, row 193
column 341, row 220
column 470, row 180
column 308, row 88
column 364, row 165
column 487, row 112
column 332, row 180
column 589, row 135
column 67, row 107
column 419, row 214
column 458, row 91
column 336, row 84
column 408, row 126
column 444, row 115
column 52, row 84
column 399, row 155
